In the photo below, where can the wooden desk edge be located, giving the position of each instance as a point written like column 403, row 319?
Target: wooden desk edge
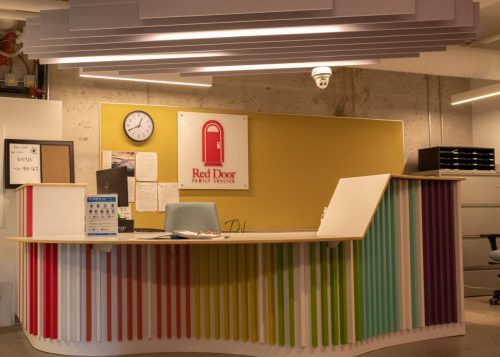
column 152, row 241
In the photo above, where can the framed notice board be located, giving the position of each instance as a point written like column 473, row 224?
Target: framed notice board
column 38, row 161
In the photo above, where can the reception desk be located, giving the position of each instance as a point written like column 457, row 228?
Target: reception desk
column 257, row 294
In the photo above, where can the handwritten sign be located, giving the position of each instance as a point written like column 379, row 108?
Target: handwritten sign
column 24, row 163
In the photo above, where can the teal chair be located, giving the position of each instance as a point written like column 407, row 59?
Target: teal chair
column 191, row 216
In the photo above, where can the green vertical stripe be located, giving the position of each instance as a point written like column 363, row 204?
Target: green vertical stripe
column 314, row 309
column 197, row 294
column 394, row 310
column 281, row 295
column 365, row 281
column 358, row 291
column 334, row 294
column 342, row 293
column 291, row 295
column 214, row 273
column 415, row 304
column 233, row 278
column 384, row 241
column 378, row 271
column 251, row 264
column 324, row 294
column 225, row 288
column 371, row 281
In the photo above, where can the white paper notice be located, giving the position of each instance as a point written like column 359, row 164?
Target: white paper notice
column 146, row 196
column 106, row 160
column 24, row 161
column 131, row 188
column 146, row 166
column 125, row 212
column 168, row 192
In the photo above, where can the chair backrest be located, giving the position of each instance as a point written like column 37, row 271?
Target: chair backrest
column 192, row 216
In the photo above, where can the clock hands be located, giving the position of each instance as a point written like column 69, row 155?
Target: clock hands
column 138, row 125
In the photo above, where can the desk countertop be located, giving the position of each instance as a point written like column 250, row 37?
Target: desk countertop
column 148, row 238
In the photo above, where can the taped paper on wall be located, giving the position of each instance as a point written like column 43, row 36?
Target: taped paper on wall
column 168, row 192
column 146, row 197
column 146, row 166
column 131, row 188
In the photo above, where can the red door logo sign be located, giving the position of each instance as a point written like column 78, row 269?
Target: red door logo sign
column 213, row 143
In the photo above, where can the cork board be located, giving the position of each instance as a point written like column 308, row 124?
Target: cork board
column 56, row 164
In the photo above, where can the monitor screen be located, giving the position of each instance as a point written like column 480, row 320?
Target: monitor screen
column 113, row 181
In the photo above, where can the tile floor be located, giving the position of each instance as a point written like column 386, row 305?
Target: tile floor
column 482, row 339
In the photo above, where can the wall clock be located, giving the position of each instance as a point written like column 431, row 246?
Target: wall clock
column 138, row 125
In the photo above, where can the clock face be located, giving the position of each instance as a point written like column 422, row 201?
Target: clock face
column 138, row 125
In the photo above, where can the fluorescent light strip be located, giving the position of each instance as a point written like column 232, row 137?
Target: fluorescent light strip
column 476, row 98
column 140, row 57
column 257, row 67
column 274, row 31
column 145, row 80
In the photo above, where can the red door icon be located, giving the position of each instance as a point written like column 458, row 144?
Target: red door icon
column 213, row 143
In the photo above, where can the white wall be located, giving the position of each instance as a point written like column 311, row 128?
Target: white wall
column 486, row 121
column 19, row 119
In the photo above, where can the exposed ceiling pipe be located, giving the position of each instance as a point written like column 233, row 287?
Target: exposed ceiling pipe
column 457, row 61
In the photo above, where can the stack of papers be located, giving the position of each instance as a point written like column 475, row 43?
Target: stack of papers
column 196, row 235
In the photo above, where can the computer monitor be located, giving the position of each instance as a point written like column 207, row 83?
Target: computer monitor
column 113, row 181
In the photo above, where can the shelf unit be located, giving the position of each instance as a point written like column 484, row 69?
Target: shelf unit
column 456, row 158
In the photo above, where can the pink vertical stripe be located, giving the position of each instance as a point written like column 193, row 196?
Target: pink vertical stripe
column 88, row 292
column 178, row 290
column 158, row 291
column 130, row 331
column 188, row 291
column 108, row 296
column 139, row 292
column 169, row 296
column 119, row 291
column 29, row 211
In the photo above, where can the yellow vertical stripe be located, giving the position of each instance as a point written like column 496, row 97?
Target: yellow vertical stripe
column 233, row 268
column 224, row 271
column 242, row 277
column 251, row 266
column 214, row 272
column 269, row 268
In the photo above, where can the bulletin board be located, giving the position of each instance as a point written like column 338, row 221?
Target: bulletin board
column 295, row 162
column 35, row 161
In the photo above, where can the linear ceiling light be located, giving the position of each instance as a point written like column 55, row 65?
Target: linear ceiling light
column 140, row 57
column 278, row 66
column 96, row 76
column 476, row 94
column 268, row 31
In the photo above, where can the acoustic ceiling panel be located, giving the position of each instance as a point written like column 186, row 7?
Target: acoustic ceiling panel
column 234, row 36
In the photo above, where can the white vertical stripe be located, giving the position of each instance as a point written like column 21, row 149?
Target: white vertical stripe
column 260, row 297
column 303, row 295
column 114, row 294
column 149, row 262
column 78, row 309
column 59, row 292
column 28, row 286
column 68, row 291
column 104, row 295
column 97, row 285
column 351, row 328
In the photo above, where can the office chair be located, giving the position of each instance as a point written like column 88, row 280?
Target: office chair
column 495, row 256
column 192, row 216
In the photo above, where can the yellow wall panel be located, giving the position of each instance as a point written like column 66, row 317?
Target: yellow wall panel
column 295, row 162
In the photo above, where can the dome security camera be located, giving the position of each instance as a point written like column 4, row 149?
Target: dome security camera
column 321, row 76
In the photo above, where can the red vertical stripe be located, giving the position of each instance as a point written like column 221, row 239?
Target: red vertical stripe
column 119, row 291
column 169, row 296
column 158, row 291
column 178, row 289
column 29, row 211
column 130, row 332
column 32, row 288
column 35, row 289
column 188, row 291
column 88, row 291
column 108, row 295
column 54, row 282
column 139, row 292
column 46, row 284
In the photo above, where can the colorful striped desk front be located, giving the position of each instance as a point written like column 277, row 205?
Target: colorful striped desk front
column 401, row 283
